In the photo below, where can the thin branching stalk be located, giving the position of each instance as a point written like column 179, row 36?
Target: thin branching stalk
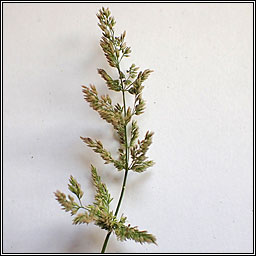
column 126, row 164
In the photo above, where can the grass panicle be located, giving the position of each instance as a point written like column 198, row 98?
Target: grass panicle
column 132, row 151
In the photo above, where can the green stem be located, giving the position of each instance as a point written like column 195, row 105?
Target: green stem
column 126, row 164
column 126, row 148
column 105, row 242
column 126, row 160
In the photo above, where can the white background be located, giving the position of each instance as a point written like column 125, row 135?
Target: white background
column 198, row 196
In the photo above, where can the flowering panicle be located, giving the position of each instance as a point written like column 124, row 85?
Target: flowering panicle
column 132, row 151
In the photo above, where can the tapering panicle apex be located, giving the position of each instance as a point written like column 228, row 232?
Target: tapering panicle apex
column 113, row 47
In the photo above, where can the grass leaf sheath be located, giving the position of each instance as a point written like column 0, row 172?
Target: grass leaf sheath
column 132, row 152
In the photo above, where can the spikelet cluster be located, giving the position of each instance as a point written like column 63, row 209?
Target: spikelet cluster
column 99, row 212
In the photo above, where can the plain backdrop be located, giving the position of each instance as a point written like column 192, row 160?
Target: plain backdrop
column 198, row 196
